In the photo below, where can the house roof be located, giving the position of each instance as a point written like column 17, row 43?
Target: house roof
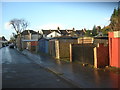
column 64, row 37
column 26, row 32
column 46, row 32
column 78, row 31
column 63, row 32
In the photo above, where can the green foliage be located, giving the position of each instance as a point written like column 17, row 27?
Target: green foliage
column 105, row 30
column 88, row 33
column 94, row 31
column 115, row 20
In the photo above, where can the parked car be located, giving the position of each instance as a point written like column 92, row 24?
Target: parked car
column 11, row 46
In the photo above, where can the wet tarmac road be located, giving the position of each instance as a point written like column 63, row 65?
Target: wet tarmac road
column 84, row 77
column 18, row 71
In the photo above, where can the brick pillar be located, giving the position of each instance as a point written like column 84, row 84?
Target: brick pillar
column 57, row 49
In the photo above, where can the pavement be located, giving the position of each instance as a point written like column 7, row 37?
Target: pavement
column 75, row 73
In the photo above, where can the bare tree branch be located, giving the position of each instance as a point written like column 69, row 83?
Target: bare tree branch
column 19, row 25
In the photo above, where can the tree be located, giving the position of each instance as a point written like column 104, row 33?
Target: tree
column 105, row 30
column 94, row 31
column 115, row 20
column 99, row 28
column 88, row 33
column 19, row 25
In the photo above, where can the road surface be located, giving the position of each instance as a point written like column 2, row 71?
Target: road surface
column 18, row 71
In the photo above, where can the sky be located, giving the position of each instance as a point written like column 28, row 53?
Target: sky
column 50, row 15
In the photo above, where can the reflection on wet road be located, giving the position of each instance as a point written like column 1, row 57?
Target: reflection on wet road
column 18, row 71
column 85, row 77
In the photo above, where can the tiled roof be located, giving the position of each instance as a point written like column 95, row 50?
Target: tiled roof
column 78, row 31
column 64, row 37
column 63, row 32
column 46, row 32
column 26, row 32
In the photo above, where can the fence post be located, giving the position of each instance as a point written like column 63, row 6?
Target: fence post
column 70, row 52
column 95, row 57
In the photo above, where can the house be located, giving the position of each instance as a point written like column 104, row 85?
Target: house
column 114, row 48
column 50, row 33
column 53, row 34
column 65, row 32
column 0, row 42
column 59, row 47
column 57, row 33
column 3, row 42
column 45, row 32
column 29, row 40
column 72, row 33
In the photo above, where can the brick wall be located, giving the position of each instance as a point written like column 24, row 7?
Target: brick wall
column 85, row 40
column 64, row 48
column 26, row 37
column 57, row 49
column 24, row 45
column 60, row 48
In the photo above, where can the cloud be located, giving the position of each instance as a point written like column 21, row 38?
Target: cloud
column 7, row 26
